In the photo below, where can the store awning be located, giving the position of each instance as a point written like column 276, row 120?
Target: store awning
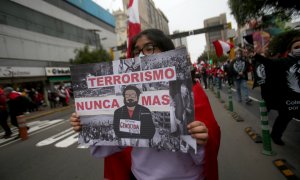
column 59, row 79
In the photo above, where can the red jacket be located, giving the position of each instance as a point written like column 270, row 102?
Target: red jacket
column 2, row 100
column 13, row 95
column 117, row 166
column 203, row 112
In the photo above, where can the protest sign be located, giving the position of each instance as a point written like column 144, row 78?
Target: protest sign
column 143, row 102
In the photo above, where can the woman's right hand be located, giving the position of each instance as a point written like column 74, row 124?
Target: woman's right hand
column 75, row 122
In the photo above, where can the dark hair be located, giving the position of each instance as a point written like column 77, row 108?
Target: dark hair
column 296, row 39
column 163, row 42
column 130, row 87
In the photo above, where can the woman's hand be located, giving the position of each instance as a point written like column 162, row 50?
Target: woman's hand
column 199, row 131
column 75, row 122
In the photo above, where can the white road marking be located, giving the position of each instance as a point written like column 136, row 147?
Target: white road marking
column 55, row 137
column 250, row 97
column 68, row 141
column 297, row 120
column 83, row 146
column 43, row 125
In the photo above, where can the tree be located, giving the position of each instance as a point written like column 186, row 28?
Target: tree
column 85, row 55
column 212, row 55
column 246, row 10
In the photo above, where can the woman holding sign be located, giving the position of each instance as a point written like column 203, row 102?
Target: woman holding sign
column 149, row 163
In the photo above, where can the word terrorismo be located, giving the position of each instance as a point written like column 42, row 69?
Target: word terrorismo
column 154, row 75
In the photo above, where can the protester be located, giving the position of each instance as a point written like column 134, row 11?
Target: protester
column 239, row 70
column 150, row 163
column 281, row 89
column 227, row 73
column 4, row 115
column 204, row 74
column 51, row 98
column 219, row 75
column 17, row 104
column 62, row 95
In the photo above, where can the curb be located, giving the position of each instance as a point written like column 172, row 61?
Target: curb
column 283, row 167
column 236, row 117
column 254, row 136
column 47, row 113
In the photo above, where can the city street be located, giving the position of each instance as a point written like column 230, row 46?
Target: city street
column 131, row 67
column 52, row 152
column 48, row 153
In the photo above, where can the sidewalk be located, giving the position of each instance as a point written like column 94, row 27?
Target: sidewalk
column 45, row 111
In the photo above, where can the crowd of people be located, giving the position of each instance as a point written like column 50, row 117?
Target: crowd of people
column 233, row 73
column 276, row 73
column 17, row 102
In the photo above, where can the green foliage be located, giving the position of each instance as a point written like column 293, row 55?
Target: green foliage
column 85, row 56
column 213, row 56
column 246, row 10
column 279, row 43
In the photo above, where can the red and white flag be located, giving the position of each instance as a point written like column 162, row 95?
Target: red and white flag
column 222, row 47
column 134, row 25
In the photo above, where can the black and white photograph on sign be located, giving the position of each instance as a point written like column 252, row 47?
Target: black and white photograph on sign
column 141, row 102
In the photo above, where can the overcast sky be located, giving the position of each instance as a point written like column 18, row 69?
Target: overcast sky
column 185, row 15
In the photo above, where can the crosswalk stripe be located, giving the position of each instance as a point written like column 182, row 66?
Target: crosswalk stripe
column 83, row 146
column 38, row 125
column 68, row 141
column 55, row 137
column 44, row 124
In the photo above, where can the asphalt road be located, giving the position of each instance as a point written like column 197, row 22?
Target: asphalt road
column 52, row 152
column 24, row 160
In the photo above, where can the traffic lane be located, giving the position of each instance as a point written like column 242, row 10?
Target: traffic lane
column 251, row 117
column 24, row 160
column 291, row 134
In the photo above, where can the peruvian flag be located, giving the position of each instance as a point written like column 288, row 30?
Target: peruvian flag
column 222, row 47
column 134, row 25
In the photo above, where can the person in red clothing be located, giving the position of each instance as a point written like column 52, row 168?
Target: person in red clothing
column 204, row 129
column 219, row 75
column 4, row 115
column 17, row 104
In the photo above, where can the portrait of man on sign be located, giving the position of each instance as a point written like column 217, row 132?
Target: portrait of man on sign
column 133, row 120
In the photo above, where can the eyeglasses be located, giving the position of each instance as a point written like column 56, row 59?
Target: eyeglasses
column 130, row 95
column 148, row 49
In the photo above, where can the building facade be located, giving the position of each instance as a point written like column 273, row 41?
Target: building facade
column 150, row 17
column 38, row 38
column 215, row 35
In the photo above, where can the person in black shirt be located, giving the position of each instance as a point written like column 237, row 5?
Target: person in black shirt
column 281, row 89
column 133, row 120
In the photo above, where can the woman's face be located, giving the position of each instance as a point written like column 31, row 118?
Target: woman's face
column 145, row 46
column 296, row 45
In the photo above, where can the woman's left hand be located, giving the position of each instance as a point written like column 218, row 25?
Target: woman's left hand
column 199, row 131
